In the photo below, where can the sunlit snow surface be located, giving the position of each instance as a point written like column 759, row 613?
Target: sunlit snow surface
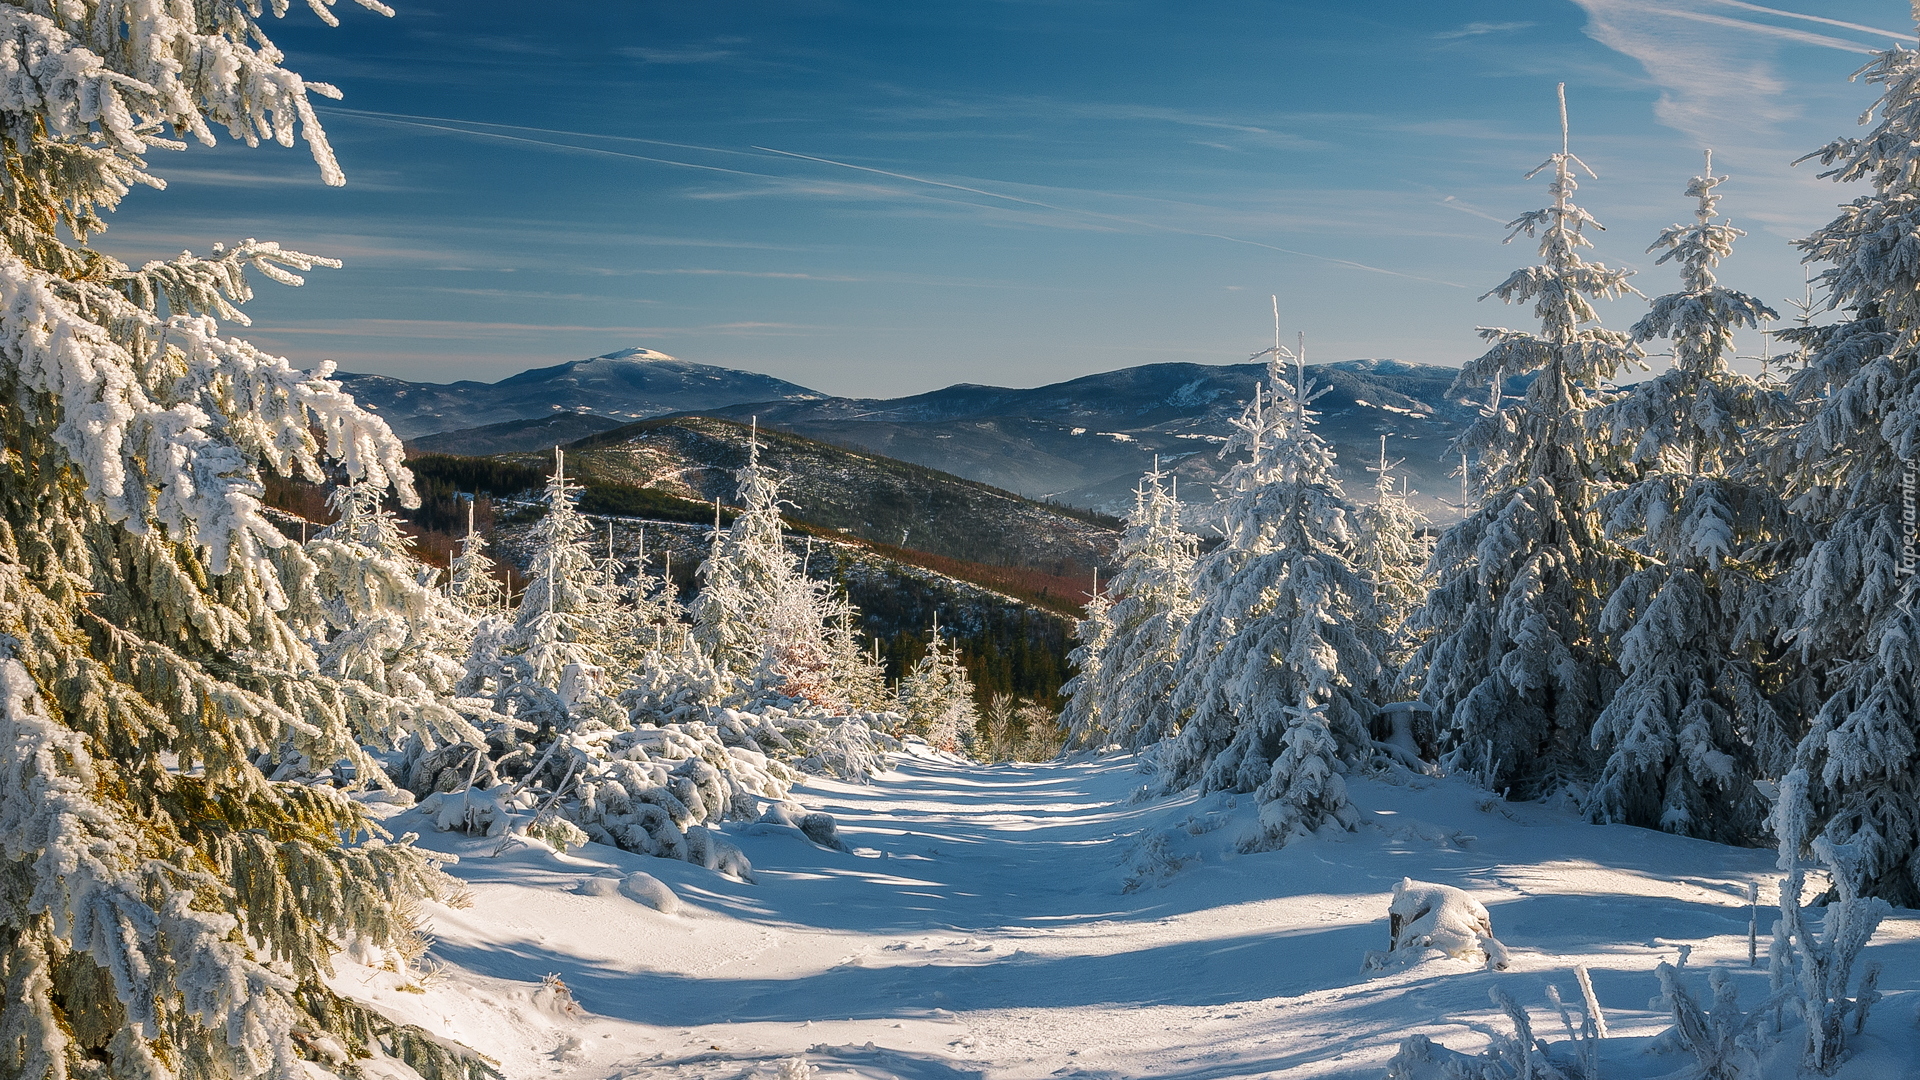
column 982, row 926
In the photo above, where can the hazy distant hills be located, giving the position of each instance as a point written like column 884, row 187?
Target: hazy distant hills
column 628, row 385
column 1083, row 442
column 1086, row 442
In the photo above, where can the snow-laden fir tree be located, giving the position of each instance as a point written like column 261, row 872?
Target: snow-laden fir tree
column 936, row 696
column 757, row 614
column 1276, row 666
column 395, row 641
column 1693, row 724
column 1152, row 600
column 165, row 908
column 1855, row 790
column 671, row 679
column 568, row 632
column 470, row 575
column 855, row 677
column 1512, row 663
column 1085, row 716
column 1392, row 552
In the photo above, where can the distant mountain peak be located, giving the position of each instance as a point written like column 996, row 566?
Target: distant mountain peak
column 637, row 353
column 627, row 384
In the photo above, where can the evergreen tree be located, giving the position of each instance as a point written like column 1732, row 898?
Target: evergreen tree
column 1391, row 552
column 936, row 696
column 856, row 677
column 1853, row 794
column 746, row 573
column 1512, row 664
column 1693, row 723
column 760, row 617
column 470, row 579
column 555, row 660
column 165, row 908
column 1136, row 660
column 1089, row 693
column 1275, row 666
column 384, row 630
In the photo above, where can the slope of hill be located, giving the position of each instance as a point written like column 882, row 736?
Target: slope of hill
column 539, row 433
column 630, row 384
column 1011, row 621
column 849, row 491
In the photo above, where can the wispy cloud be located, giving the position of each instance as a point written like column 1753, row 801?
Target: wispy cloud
column 1094, row 214
column 1251, row 132
column 1716, row 71
column 682, row 55
column 761, row 183
column 789, row 275
column 455, row 330
column 1481, row 29
column 1453, row 203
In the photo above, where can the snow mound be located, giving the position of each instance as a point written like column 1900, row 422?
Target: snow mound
column 794, row 820
column 651, row 891
column 1425, row 918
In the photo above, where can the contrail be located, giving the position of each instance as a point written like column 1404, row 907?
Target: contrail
column 399, row 119
column 1115, row 217
column 1876, row 31
column 393, row 116
column 461, row 127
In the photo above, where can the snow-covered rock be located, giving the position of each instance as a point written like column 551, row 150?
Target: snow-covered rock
column 1425, row 919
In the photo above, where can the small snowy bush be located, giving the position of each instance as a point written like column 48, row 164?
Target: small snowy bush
column 655, row 789
column 1725, row 1043
column 1507, row 1057
column 1813, row 971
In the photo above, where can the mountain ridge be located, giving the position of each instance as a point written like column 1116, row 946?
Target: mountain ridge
column 1084, row 441
column 625, row 385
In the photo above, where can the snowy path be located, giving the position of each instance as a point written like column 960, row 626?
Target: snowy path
column 979, row 927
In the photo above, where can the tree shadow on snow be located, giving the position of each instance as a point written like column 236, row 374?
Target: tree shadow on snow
column 1195, row 973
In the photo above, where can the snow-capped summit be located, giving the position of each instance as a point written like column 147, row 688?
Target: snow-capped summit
column 628, row 384
column 638, row 352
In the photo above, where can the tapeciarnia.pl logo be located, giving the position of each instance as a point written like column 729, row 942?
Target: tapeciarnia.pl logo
column 1909, row 520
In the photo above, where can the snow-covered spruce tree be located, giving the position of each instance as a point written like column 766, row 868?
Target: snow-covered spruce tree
column 1392, row 553
column 381, row 627
column 936, row 696
column 1693, row 723
column 746, row 571
column 470, row 578
column 165, row 909
column 1275, row 667
column 555, row 660
column 856, row 678
column 760, row 618
column 1153, row 599
column 1088, row 693
column 1857, row 792
column 1512, row 663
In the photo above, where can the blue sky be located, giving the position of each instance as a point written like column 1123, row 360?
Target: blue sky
column 880, row 197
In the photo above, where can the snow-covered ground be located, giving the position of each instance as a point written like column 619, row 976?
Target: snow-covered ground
column 1036, row 921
